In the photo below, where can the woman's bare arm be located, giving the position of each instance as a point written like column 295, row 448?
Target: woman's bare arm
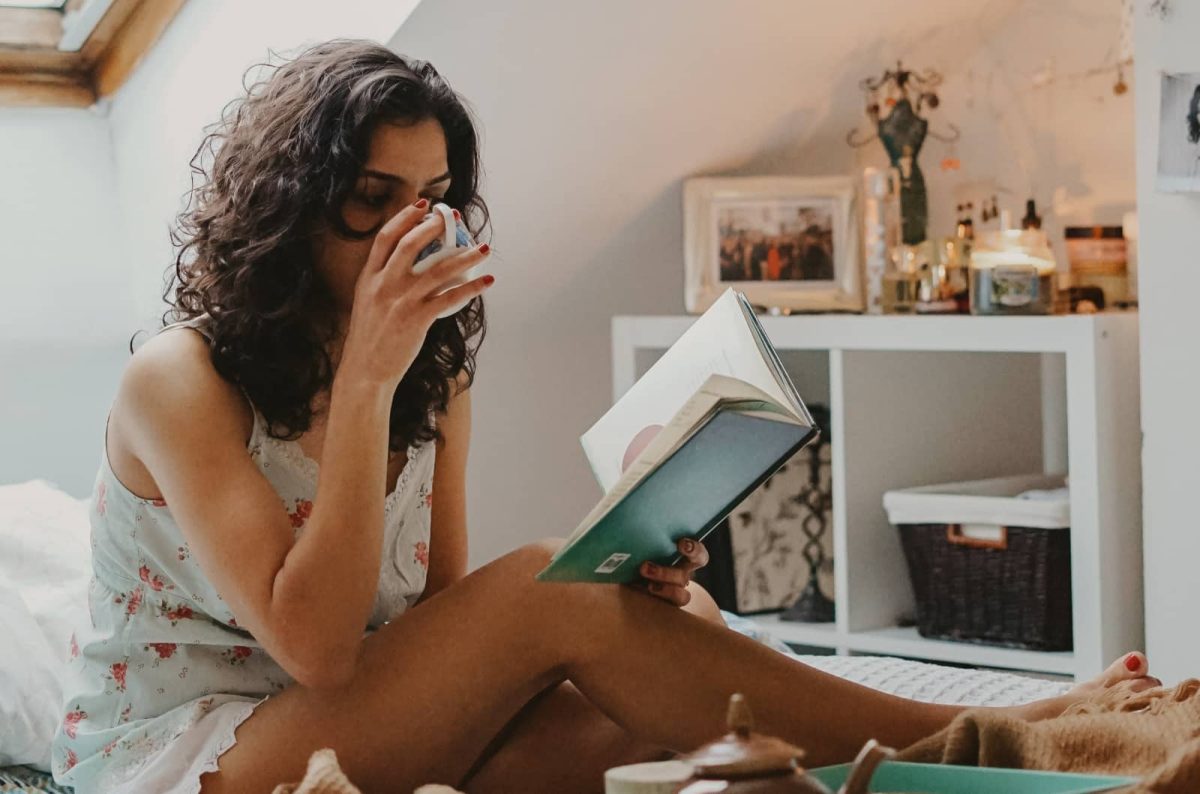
column 306, row 601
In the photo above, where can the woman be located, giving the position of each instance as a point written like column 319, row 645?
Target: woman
column 285, row 466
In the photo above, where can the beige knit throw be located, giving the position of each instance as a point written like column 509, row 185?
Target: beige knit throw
column 1153, row 735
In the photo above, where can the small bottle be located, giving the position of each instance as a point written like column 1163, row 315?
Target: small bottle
column 1031, row 220
column 968, row 223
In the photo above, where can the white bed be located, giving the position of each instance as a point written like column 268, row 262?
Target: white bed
column 44, row 563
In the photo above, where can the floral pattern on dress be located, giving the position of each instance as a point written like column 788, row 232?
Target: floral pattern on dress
column 299, row 515
column 175, row 614
column 238, row 654
column 155, row 581
column 116, row 674
column 425, row 496
column 421, row 554
column 132, row 601
column 72, row 719
column 165, row 650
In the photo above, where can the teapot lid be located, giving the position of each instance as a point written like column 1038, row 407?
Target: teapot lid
column 742, row 753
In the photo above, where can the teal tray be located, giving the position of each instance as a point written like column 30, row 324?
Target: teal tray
column 941, row 779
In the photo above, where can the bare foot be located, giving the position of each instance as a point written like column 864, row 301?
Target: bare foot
column 1131, row 672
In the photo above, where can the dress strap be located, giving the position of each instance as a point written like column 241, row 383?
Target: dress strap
column 199, row 323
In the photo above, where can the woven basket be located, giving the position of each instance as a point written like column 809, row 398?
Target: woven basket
column 1014, row 592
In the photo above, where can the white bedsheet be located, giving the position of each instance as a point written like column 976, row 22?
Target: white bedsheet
column 930, row 683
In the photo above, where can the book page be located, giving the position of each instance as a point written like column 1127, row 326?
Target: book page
column 719, row 342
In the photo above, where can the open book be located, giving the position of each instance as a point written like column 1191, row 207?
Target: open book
column 706, row 425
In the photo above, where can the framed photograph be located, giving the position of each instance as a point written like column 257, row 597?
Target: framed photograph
column 1179, row 134
column 789, row 243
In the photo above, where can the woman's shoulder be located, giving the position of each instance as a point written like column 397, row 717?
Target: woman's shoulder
column 172, row 377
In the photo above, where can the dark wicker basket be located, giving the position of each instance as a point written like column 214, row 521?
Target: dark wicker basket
column 1015, row 593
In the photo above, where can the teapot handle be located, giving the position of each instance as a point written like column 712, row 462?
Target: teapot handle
column 869, row 758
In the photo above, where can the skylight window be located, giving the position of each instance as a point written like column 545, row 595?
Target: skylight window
column 73, row 52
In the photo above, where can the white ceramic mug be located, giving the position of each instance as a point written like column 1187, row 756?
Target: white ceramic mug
column 455, row 240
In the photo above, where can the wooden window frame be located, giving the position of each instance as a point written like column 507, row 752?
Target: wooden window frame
column 33, row 71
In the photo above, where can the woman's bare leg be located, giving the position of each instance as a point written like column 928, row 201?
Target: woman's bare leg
column 526, row 755
column 436, row 685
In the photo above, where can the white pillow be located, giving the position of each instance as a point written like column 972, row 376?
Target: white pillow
column 30, row 691
column 45, row 565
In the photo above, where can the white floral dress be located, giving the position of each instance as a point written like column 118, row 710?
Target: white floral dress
column 161, row 675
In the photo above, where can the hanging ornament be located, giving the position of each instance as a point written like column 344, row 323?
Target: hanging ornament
column 951, row 162
column 1120, row 87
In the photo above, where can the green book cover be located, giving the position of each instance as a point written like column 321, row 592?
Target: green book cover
column 692, row 491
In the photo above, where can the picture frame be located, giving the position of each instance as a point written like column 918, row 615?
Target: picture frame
column 1179, row 133
column 791, row 244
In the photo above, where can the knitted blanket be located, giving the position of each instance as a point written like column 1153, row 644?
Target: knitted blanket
column 1154, row 735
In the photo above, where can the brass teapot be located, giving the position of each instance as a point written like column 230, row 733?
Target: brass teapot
column 745, row 762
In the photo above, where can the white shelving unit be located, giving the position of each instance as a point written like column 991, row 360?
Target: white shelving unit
column 922, row 400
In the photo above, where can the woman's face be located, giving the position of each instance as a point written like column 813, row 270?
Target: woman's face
column 405, row 162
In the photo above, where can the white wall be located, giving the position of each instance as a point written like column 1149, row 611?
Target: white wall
column 64, row 295
column 59, row 233
column 86, row 198
column 593, row 113
column 1169, row 277
column 192, row 72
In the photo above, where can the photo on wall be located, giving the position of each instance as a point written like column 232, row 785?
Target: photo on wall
column 1179, row 134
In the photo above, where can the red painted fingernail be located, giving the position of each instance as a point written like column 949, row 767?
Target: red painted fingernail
column 457, row 216
column 483, row 249
column 651, row 568
column 489, row 280
column 688, row 545
column 1132, row 663
column 422, row 204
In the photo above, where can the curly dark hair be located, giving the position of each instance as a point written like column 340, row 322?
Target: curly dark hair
column 282, row 159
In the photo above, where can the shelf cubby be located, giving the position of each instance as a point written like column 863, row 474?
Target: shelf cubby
column 923, row 400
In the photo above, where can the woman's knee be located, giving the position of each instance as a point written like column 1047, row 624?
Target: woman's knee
column 702, row 605
column 533, row 557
